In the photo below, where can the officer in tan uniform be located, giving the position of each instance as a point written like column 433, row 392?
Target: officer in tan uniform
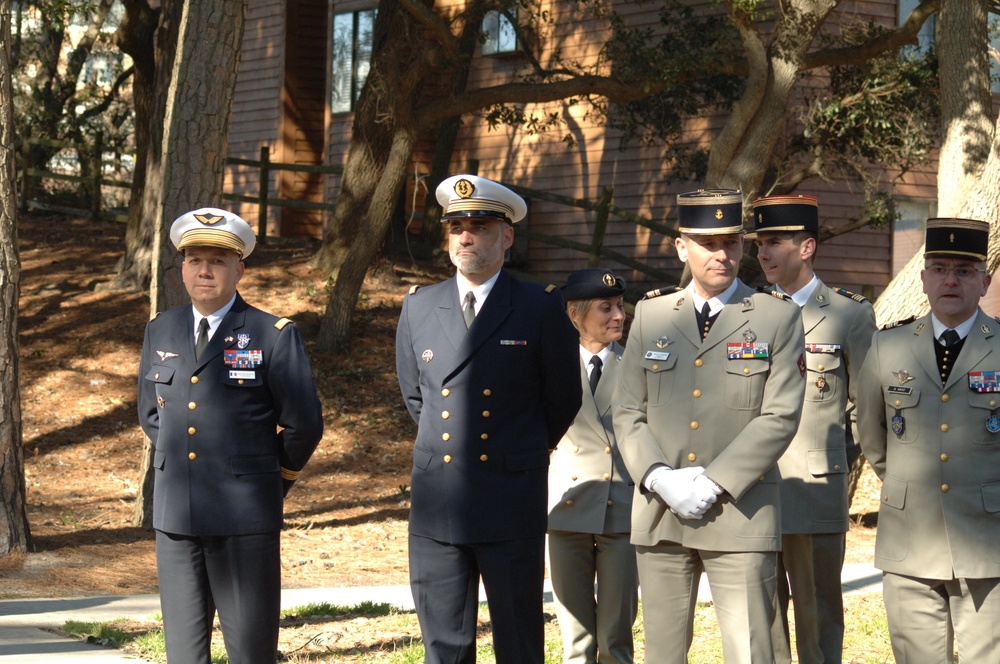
column 709, row 396
column 929, row 419
column 590, row 492
column 814, row 469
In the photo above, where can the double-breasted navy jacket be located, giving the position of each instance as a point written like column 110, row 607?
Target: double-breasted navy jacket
column 489, row 402
column 228, row 427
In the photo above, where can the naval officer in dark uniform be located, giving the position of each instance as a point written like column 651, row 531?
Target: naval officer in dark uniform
column 484, row 363
column 227, row 397
column 709, row 396
column 929, row 417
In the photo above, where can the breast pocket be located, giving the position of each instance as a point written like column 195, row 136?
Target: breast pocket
column 660, row 376
column 823, row 378
column 745, row 383
column 901, row 412
column 985, row 415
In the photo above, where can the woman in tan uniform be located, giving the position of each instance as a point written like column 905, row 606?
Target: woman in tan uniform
column 590, row 492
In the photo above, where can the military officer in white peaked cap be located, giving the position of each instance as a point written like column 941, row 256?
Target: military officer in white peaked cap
column 483, row 361
column 929, row 419
column 709, row 396
column 226, row 395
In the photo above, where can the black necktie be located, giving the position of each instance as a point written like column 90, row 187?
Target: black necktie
column 595, row 373
column 469, row 313
column 949, row 338
column 202, row 341
column 705, row 319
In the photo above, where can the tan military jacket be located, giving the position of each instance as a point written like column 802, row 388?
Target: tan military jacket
column 814, row 468
column 683, row 402
column 590, row 490
column 933, row 449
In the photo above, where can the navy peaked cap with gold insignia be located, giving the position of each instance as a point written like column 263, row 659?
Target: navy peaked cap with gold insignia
column 785, row 214
column 710, row 212
column 957, row 238
column 592, row 283
column 212, row 227
column 473, row 196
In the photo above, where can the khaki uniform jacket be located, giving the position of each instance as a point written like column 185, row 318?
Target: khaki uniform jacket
column 590, row 490
column 940, row 506
column 682, row 402
column 814, row 468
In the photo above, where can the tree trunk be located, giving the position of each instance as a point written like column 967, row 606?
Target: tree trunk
column 14, row 533
column 382, row 141
column 136, row 37
column 966, row 101
column 199, row 97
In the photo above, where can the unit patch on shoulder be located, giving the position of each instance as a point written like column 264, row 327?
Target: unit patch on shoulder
column 413, row 289
column 898, row 323
column 857, row 297
column 282, row 323
column 550, row 288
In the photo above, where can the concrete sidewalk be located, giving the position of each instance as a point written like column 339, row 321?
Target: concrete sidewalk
column 23, row 622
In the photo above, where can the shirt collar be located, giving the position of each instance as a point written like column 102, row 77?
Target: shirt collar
column 715, row 304
column 802, row 295
column 963, row 329
column 482, row 291
column 214, row 318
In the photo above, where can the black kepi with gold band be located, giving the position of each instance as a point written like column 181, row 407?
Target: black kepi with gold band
column 592, row 283
column 786, row 214
column 710, row 212
column 957, row 238
column 212, row 227
column 472, row 196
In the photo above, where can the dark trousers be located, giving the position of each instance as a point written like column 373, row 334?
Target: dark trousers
column 444, row 579
column 238, row 574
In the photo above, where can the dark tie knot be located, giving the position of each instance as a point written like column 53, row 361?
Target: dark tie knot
column 949, row 338
column 469, row 311
column 595, row 372
column 706, row 310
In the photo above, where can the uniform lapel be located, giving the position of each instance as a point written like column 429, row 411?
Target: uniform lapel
column 924, row 331
column 449, row 313
column 226, row 334
column 974, row 350
column 491, row 315
column 814, row 310
column 730, row 319
column 685, row 318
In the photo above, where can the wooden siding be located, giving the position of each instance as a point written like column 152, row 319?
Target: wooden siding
column 303, row 120
column 256, row 104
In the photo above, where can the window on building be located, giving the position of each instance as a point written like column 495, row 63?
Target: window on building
column 352, row 54
column 498, row 32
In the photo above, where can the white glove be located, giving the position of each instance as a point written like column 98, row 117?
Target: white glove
column 706, row 489
column 677, row 488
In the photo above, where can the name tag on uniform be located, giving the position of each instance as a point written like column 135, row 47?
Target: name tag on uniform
column 984, row 381
column 828, row 349
column 748, row 351
column 899, row 389
column 243, row 375
column 656, row 355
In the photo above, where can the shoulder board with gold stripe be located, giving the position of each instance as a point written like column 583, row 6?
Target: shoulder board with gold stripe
column 282, row 323
column 898, row 323
column 550, row 288
column 774, row 293
column 657, row 292
column 857, row 297
column 413, row 289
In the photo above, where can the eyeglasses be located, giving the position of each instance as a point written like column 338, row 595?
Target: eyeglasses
column 962, row 273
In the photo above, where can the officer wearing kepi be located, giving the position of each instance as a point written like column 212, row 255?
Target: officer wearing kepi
column 487, row 367
column 709, row 396
column 929, row 419
column 814, row 469
column 226, row 396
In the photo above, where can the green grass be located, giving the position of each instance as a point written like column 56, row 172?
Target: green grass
column 379, row 633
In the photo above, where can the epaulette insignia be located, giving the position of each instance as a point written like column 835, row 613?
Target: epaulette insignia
column 656, row 292
column 550, row 288
column 282, row 323
column 857, row 297
column 898, row 323
column 413, row 289
column 773, row 293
